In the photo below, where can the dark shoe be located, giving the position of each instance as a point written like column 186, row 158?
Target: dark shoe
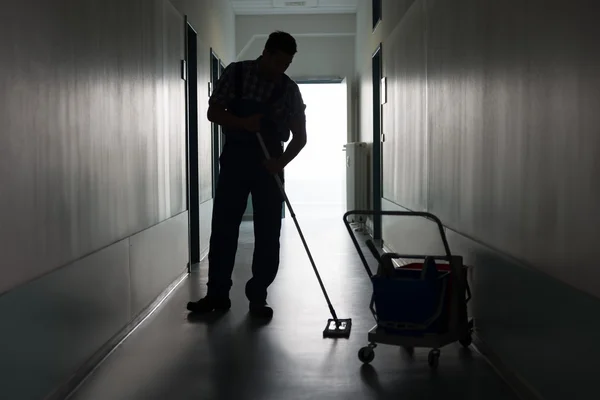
column 261, row 311
column 209, row 304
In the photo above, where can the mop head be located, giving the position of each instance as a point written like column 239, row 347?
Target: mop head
column 341, row 329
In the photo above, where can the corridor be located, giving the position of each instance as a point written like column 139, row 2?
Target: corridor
column 481, row 112
column 173, row 357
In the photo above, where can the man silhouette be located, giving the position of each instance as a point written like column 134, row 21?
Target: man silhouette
column 252, row 96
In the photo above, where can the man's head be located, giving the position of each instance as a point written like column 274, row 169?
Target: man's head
column 279, row 52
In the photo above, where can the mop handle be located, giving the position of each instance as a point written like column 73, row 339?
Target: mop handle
column 277, row 178
column 287, row 202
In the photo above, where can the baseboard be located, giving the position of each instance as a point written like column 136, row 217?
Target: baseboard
column 521, row 388
column 65, row 390
column 203, row 255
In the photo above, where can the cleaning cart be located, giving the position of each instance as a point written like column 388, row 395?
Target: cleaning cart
column 418, row 301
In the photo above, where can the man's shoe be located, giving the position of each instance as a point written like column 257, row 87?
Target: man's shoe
column 261, row 311
column 209, row 304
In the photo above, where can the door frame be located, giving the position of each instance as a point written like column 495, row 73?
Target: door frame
column 190, row 75
column 215, row 129
column 377, row 161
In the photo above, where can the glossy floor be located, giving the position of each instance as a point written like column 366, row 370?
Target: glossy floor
column 174, row 357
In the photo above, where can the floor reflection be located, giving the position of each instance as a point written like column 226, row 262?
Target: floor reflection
column 228, row 357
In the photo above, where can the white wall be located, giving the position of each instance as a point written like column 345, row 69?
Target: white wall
column 93, row 148
column 318, row 57
column 367, row 41
column 214, row 21
column 492, row 125
column 93, row 223
column 326, row 43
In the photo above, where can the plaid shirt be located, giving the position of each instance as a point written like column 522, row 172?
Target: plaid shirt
column 256, row 88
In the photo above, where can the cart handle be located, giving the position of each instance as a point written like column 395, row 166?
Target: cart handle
column 397, row 213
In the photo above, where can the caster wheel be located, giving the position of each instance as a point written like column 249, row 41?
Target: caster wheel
column 434, row 358
column 366, row 354
column 466, row 341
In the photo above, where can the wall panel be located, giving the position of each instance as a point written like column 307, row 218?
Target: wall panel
column 512, row 99
column 405, row 114
column 54, row 324
column 92, row 162
column 92, row 146
column 158, row 256
column 514, row 132
column 174, row 132
column 542, row 330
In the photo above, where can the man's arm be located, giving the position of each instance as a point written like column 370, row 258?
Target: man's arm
column 298, row 128
column 220, row 116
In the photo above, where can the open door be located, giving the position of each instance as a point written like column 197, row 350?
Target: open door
column 215, row 74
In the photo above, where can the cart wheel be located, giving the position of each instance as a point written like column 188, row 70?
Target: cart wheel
column 434, row 358
column 466, row 341
column 366, row 354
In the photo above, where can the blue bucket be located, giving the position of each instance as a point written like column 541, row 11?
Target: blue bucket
column 407, row 298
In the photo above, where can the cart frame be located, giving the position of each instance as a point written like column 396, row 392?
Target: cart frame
column 459, row 326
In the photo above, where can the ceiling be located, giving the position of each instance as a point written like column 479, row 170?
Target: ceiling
column 281, row 7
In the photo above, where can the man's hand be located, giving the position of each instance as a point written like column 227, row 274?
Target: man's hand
column 274, row 166
column 252, row 123
column 297, row 143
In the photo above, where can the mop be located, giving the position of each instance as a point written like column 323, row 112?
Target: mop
column 336, row 327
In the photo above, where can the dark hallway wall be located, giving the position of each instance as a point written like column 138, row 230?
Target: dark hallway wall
column 93, row 143
column 93, row 221
column 513, row 98
column 492, row 124
column 93, row 213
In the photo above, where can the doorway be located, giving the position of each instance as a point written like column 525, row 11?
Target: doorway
column 315, row 181
column 221, row 137
column 216, row 70
column 190, row 73
column 377, row 168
